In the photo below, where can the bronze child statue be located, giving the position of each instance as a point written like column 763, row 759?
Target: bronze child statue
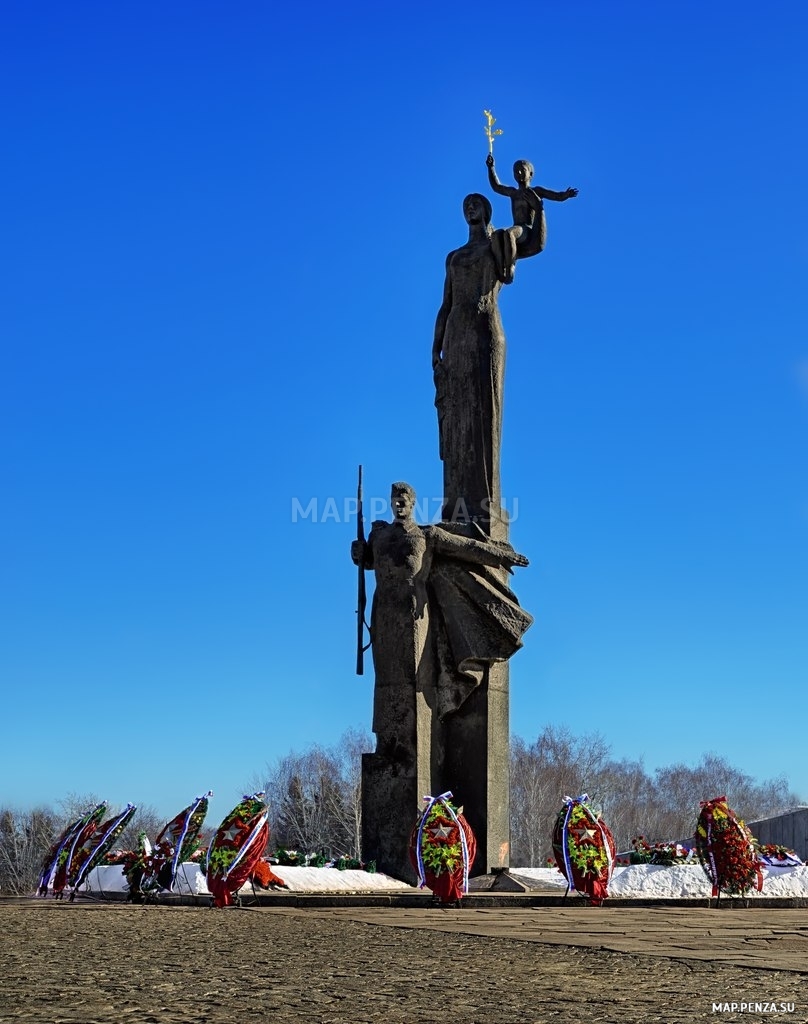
column 527, row 236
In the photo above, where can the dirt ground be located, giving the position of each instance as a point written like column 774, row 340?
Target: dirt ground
column 105, row 963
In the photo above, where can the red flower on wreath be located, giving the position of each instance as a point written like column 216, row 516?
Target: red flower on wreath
column 726, row 849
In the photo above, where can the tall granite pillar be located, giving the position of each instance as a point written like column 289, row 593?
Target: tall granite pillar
column 468, row 359
column 477, row 766
column 443, row 625
column 445, row 621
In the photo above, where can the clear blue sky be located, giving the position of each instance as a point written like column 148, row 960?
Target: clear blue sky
column 223, row 240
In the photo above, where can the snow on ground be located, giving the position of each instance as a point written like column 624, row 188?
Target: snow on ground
column 191, row 881
column 544, row 878
column 645, row 881
column 334, row 880
column 652, row 881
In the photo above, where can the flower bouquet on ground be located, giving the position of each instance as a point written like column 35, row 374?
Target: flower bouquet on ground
column 442, row 849
column 773, row 855
column 668, row 854
column 265, row 878
column 659, row 854
column 584, row 849
column 640, row 852
column 290, row 858
column 726, row 850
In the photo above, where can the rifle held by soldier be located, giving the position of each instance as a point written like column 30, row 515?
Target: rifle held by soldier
column 360, row 582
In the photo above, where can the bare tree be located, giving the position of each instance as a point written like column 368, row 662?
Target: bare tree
column 315, row 797
column 25, row 838
column 662, row 809
column 626, row 799
column 348, row 751
column 529, row 800
column 680, row 788
column 74, row 805
column 308, row 793
column 542, row 773
column 145, row 819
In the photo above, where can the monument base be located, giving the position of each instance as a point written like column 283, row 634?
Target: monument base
column 391, row 802
column 470, row 760
column 477, row 769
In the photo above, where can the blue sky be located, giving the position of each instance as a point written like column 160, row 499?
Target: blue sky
column 223, row 241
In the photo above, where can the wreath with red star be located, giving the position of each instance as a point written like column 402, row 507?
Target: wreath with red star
column 236, row 847
column 442, row 849
column 584, row 849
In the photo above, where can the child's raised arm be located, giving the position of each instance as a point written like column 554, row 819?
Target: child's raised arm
column 496, row 184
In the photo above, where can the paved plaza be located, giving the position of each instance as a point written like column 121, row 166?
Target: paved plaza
column 108, row 963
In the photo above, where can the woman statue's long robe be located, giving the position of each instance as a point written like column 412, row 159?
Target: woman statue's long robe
column 469, row 381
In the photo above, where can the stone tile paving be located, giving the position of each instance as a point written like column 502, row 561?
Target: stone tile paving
column 99, row 964
column 758, row 937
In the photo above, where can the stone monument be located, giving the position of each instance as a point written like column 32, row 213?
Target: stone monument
column 444, row 621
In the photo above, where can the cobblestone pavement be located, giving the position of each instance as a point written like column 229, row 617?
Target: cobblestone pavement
column 755, row 937
column 66, row 963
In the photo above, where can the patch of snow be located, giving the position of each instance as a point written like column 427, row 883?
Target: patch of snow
column 660, row 882
column 546, row 878
column 644, row 881
column 679, row 881
column 191, row 881
column 785, row 881
column 109, row 878
column 334, row 880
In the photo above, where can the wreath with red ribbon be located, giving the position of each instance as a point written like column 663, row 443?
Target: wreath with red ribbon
column 584, row 849
column 442, row 849
column 726, row 849
column 236, row 848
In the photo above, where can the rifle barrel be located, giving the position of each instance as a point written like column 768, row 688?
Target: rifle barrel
column 360, row 583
